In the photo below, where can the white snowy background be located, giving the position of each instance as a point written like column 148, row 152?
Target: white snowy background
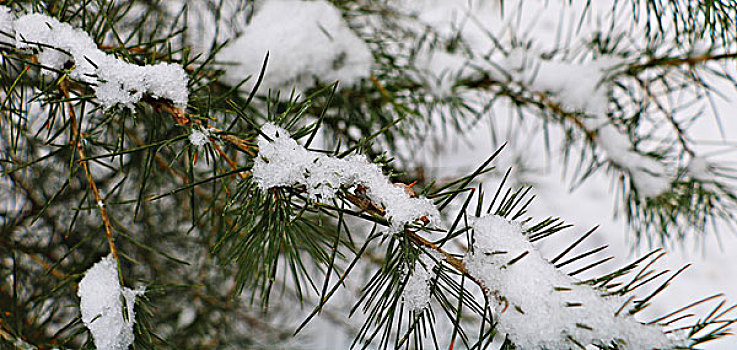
column 711, row 255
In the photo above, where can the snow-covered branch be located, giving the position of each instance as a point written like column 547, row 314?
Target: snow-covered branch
column 531, row 291
column 548, row 309
column 114, row 80
column 283, row 162
column 585, row 88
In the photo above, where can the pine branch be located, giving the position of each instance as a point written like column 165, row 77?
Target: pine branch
column 214, row 237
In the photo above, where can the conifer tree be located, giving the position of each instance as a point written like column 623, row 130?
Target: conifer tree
column 189, row 173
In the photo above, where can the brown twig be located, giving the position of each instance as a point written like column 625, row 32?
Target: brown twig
column 449, row 258
column 75, row 141
column 420, row 241
column 537, row 98
column 232, row 163
column 180, row 117
column 680, row 61
column 459, row 266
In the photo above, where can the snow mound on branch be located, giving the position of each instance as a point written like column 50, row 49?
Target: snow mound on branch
column 581, row 86
column 441, row 70
column 102, row 308
column 547, row 308
column 649, row 176
column 416, row 293
column 114, row 80
column 306, row 41
column 284, row 162
column 584, row 87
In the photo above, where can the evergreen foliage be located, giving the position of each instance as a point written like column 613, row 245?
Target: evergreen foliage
column 169, row 191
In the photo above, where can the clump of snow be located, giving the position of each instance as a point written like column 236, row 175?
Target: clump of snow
column 186, row 317
column 441, row 70
column 113, row 80
column 306, row 41
column 700, row 169
column 102, row 307
column 199, row 138
column 283, row 162
column 416, row 293
column 546, row 307
column 580, row 86
column 649, row 176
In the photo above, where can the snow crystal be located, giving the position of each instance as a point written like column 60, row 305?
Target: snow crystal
column 114, row 80
column 102, row 308
column 199, row 138
column 306, row 41
column 283, row 162
column 547, row 308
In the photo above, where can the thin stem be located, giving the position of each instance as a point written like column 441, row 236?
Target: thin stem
column 75, row 142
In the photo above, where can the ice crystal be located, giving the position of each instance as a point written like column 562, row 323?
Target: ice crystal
column 199, row 138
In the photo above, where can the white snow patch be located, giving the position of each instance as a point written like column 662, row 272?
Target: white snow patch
column 186, row 317
column 581, row 86
column 199, row 138
column 416, row 293
column 537, row 316
column 649, row 176
column 306, row 41
column 700, row 169
column 114, row 80
column 283, row 162
column 102, row 308
column 6, row 25
column 441, row 70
